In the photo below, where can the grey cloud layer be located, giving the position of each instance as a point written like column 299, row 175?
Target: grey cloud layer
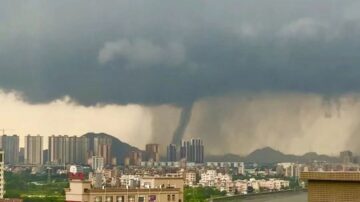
column 155, row 52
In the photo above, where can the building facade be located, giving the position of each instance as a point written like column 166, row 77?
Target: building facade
column 171, row 153
column 10, row 146
column 192, row 151
column 151, row 189
column 134, row 158
column 346, row 157
column 102, row 147
column 152, row 152
column 68, row 149
column 332, row 186
column 33, row 150
column 97, row 163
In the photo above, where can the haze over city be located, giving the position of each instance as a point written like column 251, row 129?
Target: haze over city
column 240, row 75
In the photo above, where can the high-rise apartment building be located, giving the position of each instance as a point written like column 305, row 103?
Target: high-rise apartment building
column 10, row 146
column 102, row 147
column 152, row 152
column 2, row 174
column 104, row 150
column 97, row 163
column 171, row 152
column 57, row 149
column 346, row 157
column 134, row 158
column 192, row 151
column 34, row 150
column 82, row 150
column 22, row 155
column 68, row 149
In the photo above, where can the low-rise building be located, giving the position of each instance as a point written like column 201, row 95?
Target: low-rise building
column 190, row 178
column 151, row 189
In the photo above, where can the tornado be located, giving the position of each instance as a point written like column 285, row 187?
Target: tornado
column 185, row 117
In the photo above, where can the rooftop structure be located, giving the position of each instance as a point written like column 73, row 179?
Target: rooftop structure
column 150, row 189
column 332, row 186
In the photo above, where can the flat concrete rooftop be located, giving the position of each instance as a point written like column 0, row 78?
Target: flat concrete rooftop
column 331, row 176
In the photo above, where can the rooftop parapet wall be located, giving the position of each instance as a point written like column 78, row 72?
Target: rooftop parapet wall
column 331, row 176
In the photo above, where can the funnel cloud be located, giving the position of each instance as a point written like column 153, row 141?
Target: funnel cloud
column 185, row 117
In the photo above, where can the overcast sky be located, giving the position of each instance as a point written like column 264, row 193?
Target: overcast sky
column 128, row 67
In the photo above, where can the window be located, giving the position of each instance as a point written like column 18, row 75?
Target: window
column 141, row 199
column 98, row 199
column 173, row 197
column 109, row 199
column 152, row 198
column 131, row 198
column 120, row 199
column 168, row 197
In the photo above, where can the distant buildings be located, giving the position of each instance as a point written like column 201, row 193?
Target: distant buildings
column 97, row 163
column 190, row 178
column 101, row 146
column 171, row 153
column 346, row 157
column 152, row 152
column 10, row 146
column 34, row 150
column 288, row 169
column 64, row 150
column 134, row 158
column 82, row 150
column 192, row 151
column 224, row 182
column 67, row 150
column 210, row 178
column 238, row 165
column 22, row 155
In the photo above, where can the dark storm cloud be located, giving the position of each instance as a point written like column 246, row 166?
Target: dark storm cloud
column 176, row 52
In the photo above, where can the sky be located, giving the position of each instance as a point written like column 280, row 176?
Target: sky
column 251, row 73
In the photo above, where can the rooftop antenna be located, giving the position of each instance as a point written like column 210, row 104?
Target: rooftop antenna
column 5, row 129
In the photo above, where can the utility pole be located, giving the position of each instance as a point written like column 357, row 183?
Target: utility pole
column 49, row 174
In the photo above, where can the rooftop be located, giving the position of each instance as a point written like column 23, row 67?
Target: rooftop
column 114, row 189
column 331, row 176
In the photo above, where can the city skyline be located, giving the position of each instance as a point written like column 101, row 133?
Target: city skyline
column 72, row 149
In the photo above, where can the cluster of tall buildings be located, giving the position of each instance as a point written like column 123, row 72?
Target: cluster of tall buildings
column 68, row 150
column 101, row 147
column 191, row 151
column 151, row 154
column 62, row 149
